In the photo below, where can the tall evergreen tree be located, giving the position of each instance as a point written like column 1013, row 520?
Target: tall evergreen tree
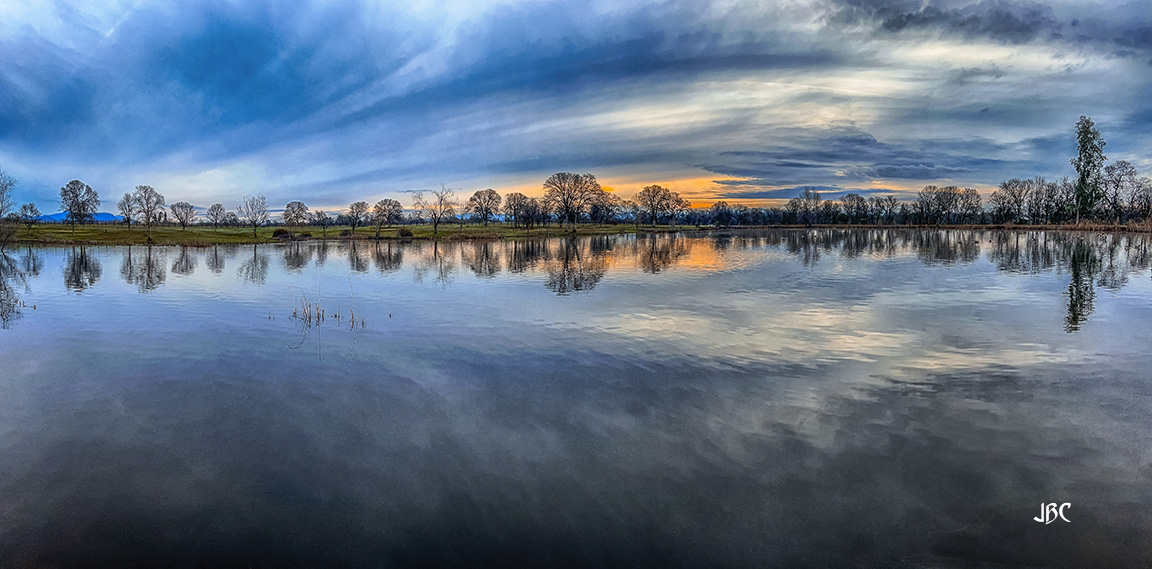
column 1088, row 162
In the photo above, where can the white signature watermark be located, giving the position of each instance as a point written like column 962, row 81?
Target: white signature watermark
column 1049, row 512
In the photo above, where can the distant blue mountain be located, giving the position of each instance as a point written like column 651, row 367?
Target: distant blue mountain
column 102, row 216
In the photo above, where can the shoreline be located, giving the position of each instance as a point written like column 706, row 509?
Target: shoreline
column 203, row 237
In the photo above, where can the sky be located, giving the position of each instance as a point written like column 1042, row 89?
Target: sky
column 747, row 101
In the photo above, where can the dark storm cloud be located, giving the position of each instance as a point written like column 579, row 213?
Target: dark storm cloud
column 1009, row 21
column 848, row 154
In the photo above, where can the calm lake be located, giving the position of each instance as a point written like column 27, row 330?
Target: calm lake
column 822, row 398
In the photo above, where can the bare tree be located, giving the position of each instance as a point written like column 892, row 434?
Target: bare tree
column 484, row 204
column 889, row 205
column 321, row 218
column 569, row 194
column 30, row 215
column 1140, row 201
column 7, row 200
column 295, row 213
column 680, row 207
column 216, row 214
column 1014, row 197
column 970, row 205
column 127, row 208
column 604, row 207
column 253, row 210
column 1119, row 181
column 855, row 206
column 386, row 212
column 184, row 213
column 80, row 202
column 516, row 209
column 722, row 213
column 149, row 204
column 440, row 206
column 357, row 214
column 656, row 201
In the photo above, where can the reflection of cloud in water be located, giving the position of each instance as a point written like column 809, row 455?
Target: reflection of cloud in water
column 839, row 414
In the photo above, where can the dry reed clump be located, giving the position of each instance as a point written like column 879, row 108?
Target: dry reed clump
column 1143, row 225
column 307, row 313
column 310, row 314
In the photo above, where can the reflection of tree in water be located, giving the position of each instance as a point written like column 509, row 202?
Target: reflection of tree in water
column 481, row 258
column 1115, row 265
column 31, row 263
column 1028, row 253
column 215, row 260
column 388, row 257
column 805, row 245
column 321, row 253
column 254, row 270
column 296, row 257
column 12, row 279
column 575, row 268
column 435, row 259
column 357, row 257
column 1085, row 264
column 525, row 254
column 185, row 263
column 657, row 253
column 946, row 247
column 145, row 269
column 81, row 269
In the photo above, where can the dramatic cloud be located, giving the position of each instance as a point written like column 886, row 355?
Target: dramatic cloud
column 740, row 99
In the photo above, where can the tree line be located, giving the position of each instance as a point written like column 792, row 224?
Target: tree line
column 1100, row 192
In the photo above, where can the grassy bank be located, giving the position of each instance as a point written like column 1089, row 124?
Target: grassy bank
column 59, row 234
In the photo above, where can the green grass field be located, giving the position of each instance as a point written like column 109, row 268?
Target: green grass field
column 204, row 236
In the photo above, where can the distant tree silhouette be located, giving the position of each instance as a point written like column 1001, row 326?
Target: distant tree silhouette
column 29, row 215
column 253, row 210
column 386, row 212
column 441, row 205
column 127, row 208
column 483, row 204
column 216, row 214
column 295, row 213
column 149, row 204
column 357, row 214
column 184, row 213
column 79, row 201
column 569, row 194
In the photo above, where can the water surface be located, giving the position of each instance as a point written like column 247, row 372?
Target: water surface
column 822, row 398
